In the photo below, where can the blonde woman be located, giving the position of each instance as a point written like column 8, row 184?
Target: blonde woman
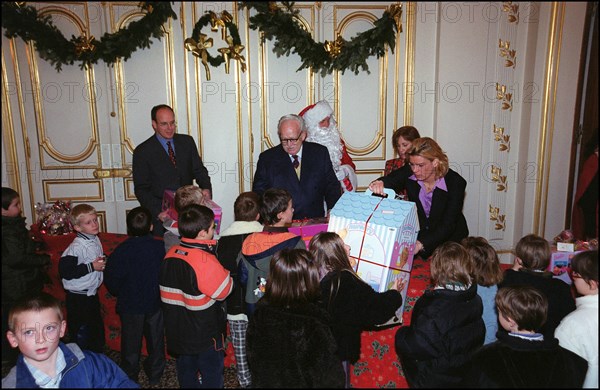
column 437, row 190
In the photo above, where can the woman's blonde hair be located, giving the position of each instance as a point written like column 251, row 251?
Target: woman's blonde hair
column 427, row 148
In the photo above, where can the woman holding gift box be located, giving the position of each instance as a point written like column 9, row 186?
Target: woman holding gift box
column 437, row 190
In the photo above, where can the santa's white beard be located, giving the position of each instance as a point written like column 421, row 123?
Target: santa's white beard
column 330, row 138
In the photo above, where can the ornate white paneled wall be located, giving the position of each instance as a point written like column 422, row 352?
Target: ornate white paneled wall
column 494, row 83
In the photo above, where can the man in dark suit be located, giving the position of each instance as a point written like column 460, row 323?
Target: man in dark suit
column 302, row 168
column 164, row 161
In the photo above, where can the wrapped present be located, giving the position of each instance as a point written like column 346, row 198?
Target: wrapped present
column 53, row 218
column 307, row 228
column 218, row 213
column 560, row 264
column 168, row 205
column 381, row 233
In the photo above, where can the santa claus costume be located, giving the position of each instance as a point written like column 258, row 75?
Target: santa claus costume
column 330, row 138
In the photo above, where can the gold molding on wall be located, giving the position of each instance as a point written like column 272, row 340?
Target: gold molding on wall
column 129, row 189
column 45, row 143
column 8, row 133
column 548, row 106
column 409, row 63
column 499, row 179
column 512, row 11
column 510, row 56
column 379, row 136
column 21, row 103
column 167, row 41
column 101, row 220
column 503, row 139
column 265, row 141
column 98, row 197
column 499, row 219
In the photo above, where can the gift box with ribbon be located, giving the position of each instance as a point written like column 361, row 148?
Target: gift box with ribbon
column 168, row 205
column 307, row 228
column 381, row 233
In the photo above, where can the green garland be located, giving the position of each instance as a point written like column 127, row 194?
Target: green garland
column 278, row 24
column 283, row 26
column 230, row 26
column 51, row 44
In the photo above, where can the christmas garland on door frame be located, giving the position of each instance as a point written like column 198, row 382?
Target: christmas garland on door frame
column 279, row 24
column 24, row 21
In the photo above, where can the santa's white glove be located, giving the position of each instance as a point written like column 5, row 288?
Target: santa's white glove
column 349, row 180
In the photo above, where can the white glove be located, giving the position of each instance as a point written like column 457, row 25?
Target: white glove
column 349, row 176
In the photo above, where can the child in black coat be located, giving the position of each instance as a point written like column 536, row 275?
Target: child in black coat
column 289, row 341
column 246, row 211
column 446, row 325
column 352, row 303
column 132, row 275
column 529, row 269
column 523, row 357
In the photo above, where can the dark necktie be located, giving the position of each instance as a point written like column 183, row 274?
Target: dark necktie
column 296, row 163
column 171, row 153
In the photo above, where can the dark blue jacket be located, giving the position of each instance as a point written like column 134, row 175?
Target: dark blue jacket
column 84, row 369
column 446, row 329
column 317, row 181
column 132, row 274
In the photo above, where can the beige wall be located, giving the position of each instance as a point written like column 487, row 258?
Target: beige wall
column 448, row 92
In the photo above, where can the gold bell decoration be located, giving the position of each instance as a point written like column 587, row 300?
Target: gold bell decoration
column 200, row 50
column 395, row 11
column 272, row 6
column 334, row 48
column 83, row 45
column 217, row 23
column 232, row 52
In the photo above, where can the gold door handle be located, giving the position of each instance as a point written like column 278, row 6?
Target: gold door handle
column 111, row 173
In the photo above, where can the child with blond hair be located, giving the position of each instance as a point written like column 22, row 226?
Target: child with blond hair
column 36, row 326
column 81, row 268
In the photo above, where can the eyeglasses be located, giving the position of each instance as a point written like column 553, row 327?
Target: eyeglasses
column 291, row 141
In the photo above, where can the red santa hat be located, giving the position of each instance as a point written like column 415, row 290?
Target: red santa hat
column 315, row 113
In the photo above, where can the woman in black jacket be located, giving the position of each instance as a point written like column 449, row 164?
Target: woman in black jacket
column 437, row 190
column 352, row 303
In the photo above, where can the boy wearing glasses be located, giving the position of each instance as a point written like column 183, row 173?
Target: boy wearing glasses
column 36, row 325
column 302, row 168
column 529, row 269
